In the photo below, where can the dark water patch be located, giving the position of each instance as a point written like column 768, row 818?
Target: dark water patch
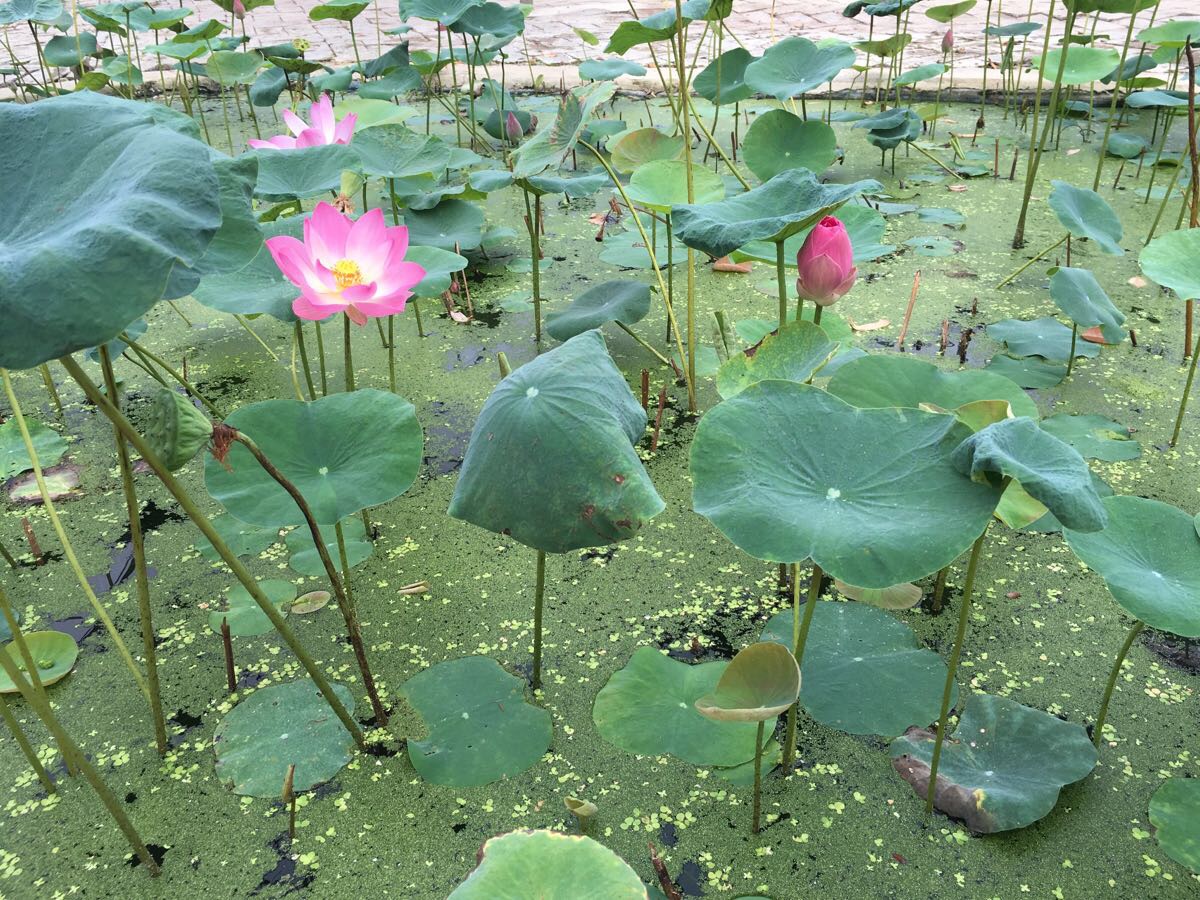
column 186, row 722
column 248, row 679
column 691, row 879
column 48, row 556
column 75, row 625
column 474, row 354
column 131, row 797
column 157, row 852
column 446, row 438
column 222, row 385
column 668, row 835
column 489, row 316
column 121, row 563
column 284, row 873
column 1179, row 652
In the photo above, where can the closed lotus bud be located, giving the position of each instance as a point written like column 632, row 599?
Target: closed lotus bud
column 825, row 263
column 512, row 128
column 175, row 430
column 948, row 40
column 239, row 9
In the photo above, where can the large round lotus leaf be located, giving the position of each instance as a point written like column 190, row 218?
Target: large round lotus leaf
column 794, row 353
column 864, row 225
column 228, row 67
column 341, row 10
column 621, row 301
column 919, row 74
column 524, row 864
column 1152, row 99
column 93, row 229
column 787, row 204
column 1095, row 437
column 1149, row 556
column 571, row 185
column 243, row 539
column 69, row 49
column 480, row 729
column 643, row 145
column 1086, row 214
column 1175, row 815
column 1084, row 64
column 870, row 495
column 302, row 172
column 439, row 266
column 796, row 65
column 451, row 225
column 1029, row 371
column 1049, row 470
column 1170, row 260
column 1002, row 768
column 305, row 559
column 551, row 460
column 1045, row 337
column 243, row 614
column 490, row 19
column 864, row 670
column 277, row 727
column 344, row 452
column 649, row 708
column 444, row 12
column 1175, row 32
column 1080, row 296
column 663, row 25
column 48, row 444
column 393, row 151
column 259, row 287
column 600, row 69
column 661, row 184
column 53, row 652
column 724, row 79
column 759, row 683
column 779, row 140
column 949, row 11
column 881, row 381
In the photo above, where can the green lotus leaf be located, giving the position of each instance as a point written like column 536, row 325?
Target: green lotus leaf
column 551, row 460
column 30, row 10
column 898, row 596
column 1079, row 295
column 1151, row 99
column 524, row 864
column 1045, row 337
column 1095, row 437
column 919, row 74
column 622, row 301
column 759, row 683
column 228, row 67
column 394, row 151
column 663, row 25
column 401, row 80
column 795, row 65
column 243, row 539
column 239, row 237
column 1003, row 767
column 341, row 10
column 114, row 205
column 1170, row 260
column 794, row 353
column 778, row 140
column 1047, row 524
column 572, row 185
column 607, row 69
column 1086, row 214
column 303, row 172
column 243, row 613
column 452, row 225
column 1028, row 372
column 787, row 204
column 937, row 215
column 549, row 148
column 885, row 47
column 1127, row 146
column 1016, row 29
column 724, row 79
column 480, row 729
column 894, row 510
column 1175, row 32
column 69, row 50
column 643, row 145
column 344, row 452
column 1083, row 64
column 662, row 184
column 48, row 444
column 439, row 266
column 864, row 225
column 1049, row 470
column 889, row 129
column 1149, row 557
column 865, row 672
column 279, row 726
column 53, row 652
column 303, row 550
column 490, row 20
column 649, row 708
column 259, row 288
column 949, row 11
column 267, row 88
column 444, row 12
column 1175, row 815
column 902, row 381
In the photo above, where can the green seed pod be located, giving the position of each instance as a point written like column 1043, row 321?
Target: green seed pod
column 175, row 429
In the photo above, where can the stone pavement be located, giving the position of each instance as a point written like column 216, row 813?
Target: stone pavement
column 551, row 46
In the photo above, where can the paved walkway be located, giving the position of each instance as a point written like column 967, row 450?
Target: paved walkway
column 551, row 42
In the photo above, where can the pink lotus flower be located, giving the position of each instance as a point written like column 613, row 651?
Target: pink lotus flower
column 343, row 265
column 325, row 129
column 826, row 263
column 512, row 128
column 948, row 40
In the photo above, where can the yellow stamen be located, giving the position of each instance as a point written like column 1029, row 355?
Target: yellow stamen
column 346, row 273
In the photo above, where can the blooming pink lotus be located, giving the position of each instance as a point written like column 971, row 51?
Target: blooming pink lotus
column 324, row 129
column 344, row 265
column 826, row 263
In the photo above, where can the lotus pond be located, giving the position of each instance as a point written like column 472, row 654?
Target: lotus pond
column 461, row 492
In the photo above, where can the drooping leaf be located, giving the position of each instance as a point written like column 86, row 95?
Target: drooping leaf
column 1170, row 260
column 623, row 301
column 864, row 225
column 549, row 148
column 1079, row 295
column 794, row 353
column 759, row 683
column 259, row 288
column 1086, row 214
column 724, row 79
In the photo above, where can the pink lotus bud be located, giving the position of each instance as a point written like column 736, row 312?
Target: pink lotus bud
column 239, row 9
column 826, row 263
column 512, row 128
column 948, row 40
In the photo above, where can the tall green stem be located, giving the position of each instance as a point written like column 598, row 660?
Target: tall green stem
column 312, row 390
column 800, row 631
column 1130, row 637
column 26, row 748
column 781, row 285
column 1035, row 154
column 1116, row 93
column 348, row 355
column 685, row 116
column 964, row 613
column 533, row 220
column 149, row 358
column 758, row 746
column 1187, row 390
column 538, row 595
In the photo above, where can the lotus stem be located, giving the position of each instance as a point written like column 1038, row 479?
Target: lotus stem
column 321, row 359
column 8, row 557
column 241, row 320
column 758, row 747
column 1187, row 390
column 1018, row 240
column 800, row 631
column 538, row 595
column 137, row 541
column 294, row 374
column 1074, row 338
column 717, row 146
column 23, row 742
column 347, row 353
column 781, row 284
column 939, row 589
column 68, row 549
column 1038, row 256
column 533, row 224
column 308, row 379
column 1130, row 637
column 48, row 380
column 642, row 342
column 1116, row 93
column 964, row 612
column 230, row 559
column 391, row 342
